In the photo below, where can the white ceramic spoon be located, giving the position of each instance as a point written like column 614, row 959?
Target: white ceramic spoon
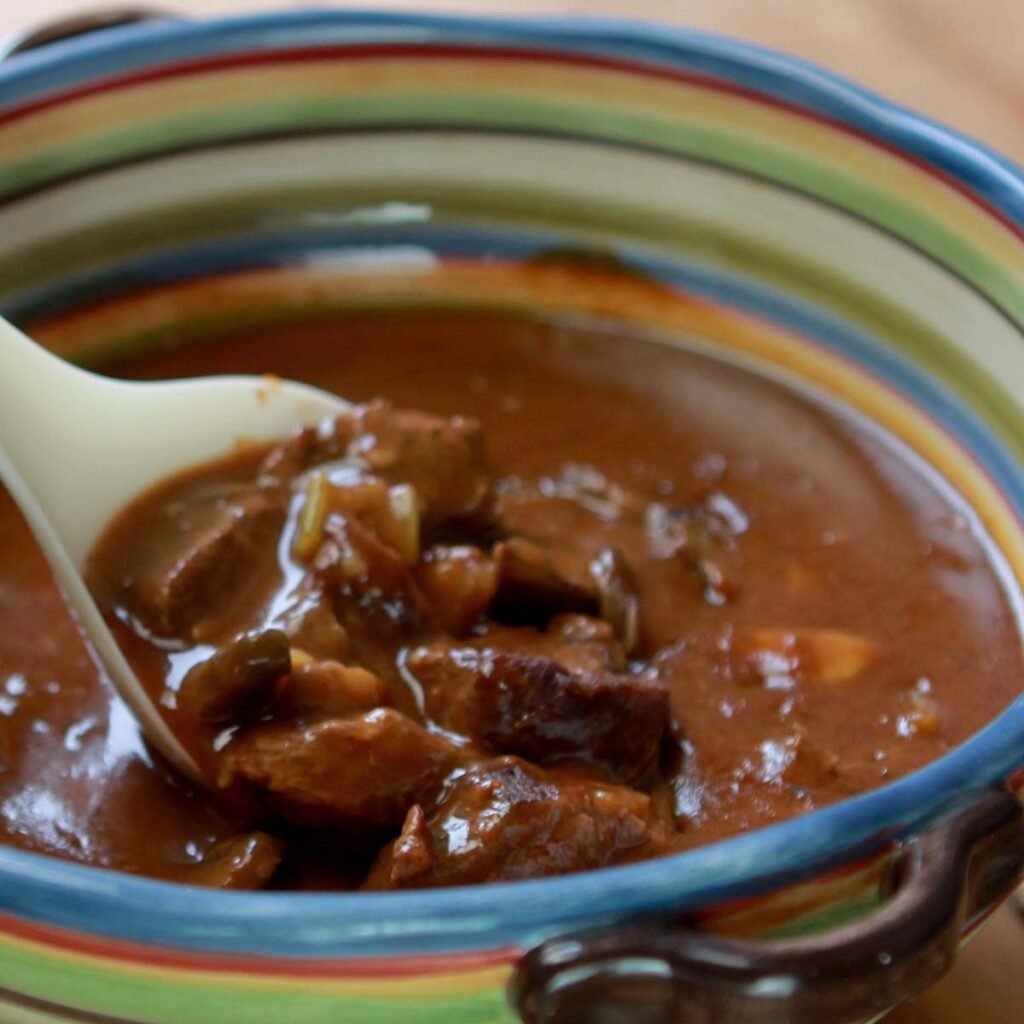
column 76, row 448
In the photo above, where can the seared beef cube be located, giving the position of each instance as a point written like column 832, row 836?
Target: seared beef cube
column 354, row 564
column 536, row 708
column 361, row 773
column 458, row 582
column 442, row 458
column 373, row 592
column 241, row 862
column 412, row 853
column 505, row 820
column 328, row 689
column 390, row 513
column 215, row 567
column 315, row 629
column 579, row 643
column 553, row 561
column 533, row 586
column 238, row 681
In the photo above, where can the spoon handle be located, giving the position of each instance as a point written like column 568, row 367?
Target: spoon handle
column 77, row 448
column 44, row 458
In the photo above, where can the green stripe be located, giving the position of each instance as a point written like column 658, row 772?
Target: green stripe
column 443, row 111
column 827, row 918
column 174, row 1002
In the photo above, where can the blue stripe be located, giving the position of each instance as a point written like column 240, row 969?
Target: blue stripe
column 363, row 924
column 116, row 51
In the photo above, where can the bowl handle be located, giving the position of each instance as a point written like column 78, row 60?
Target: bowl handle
column 80, row 25
column 664, row 972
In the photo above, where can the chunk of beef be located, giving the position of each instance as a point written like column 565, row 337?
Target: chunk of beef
column 361, row 773
column 442, row 458
column 390, row 512
column 237, row 682
column 505, row 820
column 536, row 708
column 459, row 583
column 314, row 628
column 240, row 862
column 328, row 689
column 579, row 643
column 373, row 593
column 564, row 515
column 217, row 566
column 533, row 584
column 412, row 853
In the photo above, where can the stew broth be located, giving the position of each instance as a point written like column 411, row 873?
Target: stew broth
column 824, row 614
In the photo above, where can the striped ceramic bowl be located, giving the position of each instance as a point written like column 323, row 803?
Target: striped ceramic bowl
column 177, row 177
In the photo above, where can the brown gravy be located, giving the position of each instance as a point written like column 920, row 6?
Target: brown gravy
column 862, row 632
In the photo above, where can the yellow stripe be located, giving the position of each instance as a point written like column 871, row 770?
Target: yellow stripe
column 432, row 985
column 125, row 109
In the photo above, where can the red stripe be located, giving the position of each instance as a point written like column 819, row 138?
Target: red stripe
column 354, row 968
column 363, row 51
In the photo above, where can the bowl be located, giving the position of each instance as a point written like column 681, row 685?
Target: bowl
column 167, row 177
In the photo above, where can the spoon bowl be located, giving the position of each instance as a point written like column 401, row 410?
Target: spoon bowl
column 77, row 447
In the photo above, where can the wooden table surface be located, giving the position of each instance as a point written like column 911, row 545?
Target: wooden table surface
column 959, row 61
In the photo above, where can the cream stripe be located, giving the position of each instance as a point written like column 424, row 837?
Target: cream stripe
column 679, row 198
column 126, row 109
column 12, row 1014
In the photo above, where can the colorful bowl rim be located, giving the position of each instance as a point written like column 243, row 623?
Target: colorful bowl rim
column 364, row 924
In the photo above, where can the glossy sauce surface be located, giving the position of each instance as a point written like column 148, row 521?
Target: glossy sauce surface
column 861, row 631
